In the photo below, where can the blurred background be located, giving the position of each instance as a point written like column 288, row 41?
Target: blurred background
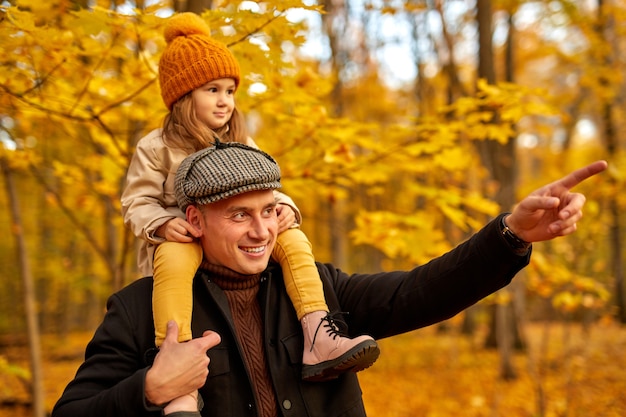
column 401, row 127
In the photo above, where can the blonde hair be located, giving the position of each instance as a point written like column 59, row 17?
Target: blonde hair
column 182, row 128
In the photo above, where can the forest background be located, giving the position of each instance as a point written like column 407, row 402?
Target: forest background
column 401, row 127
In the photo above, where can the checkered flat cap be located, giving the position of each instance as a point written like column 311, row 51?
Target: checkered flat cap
column 222, row 171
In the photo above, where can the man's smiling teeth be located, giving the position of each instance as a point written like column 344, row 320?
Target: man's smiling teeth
column 254, row 250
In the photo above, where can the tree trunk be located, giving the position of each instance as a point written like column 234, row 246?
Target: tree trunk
column 500, row 161
column 612, row 146
column 336, row 207
column 195, row 6
column 30, row 302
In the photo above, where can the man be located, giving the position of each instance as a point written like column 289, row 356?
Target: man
column 246, row 357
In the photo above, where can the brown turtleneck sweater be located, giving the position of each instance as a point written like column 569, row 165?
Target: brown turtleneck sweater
column 241, row 292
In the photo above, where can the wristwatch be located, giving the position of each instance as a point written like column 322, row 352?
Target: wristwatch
column 519, row 246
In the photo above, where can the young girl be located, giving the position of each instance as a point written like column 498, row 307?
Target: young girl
column 198, row 78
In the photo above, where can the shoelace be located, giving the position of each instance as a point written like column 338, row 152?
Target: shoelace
column 332, row 328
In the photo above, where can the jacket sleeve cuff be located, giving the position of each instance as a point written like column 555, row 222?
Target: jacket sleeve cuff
column 510, row 241
column 147, row 406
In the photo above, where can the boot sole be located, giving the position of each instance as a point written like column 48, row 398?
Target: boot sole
column 360, row 357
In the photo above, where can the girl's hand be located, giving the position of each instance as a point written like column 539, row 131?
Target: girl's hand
column 177, row 230
column 286, row 217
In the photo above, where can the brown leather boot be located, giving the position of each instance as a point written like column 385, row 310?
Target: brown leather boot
column 327, row 353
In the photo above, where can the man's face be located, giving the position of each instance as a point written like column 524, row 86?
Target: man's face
column 238, row 232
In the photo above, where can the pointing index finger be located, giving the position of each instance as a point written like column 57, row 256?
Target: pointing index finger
column 581, row 174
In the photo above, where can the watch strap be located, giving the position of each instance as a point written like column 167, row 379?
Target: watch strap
column 519, row 246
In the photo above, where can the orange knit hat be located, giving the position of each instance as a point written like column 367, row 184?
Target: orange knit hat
column 192, row 58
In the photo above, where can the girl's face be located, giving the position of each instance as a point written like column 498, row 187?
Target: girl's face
column 215, row 101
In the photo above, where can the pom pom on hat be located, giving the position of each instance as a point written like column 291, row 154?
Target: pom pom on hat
column 185, row 24
column 192, row 58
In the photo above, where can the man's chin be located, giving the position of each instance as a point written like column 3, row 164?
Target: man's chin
column 252, row 268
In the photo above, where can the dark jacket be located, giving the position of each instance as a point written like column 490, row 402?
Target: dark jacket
column 110, row 381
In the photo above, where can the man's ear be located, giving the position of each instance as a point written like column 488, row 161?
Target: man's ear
column 194, row 216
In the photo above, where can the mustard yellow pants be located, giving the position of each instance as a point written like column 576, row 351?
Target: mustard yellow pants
column 175, row 265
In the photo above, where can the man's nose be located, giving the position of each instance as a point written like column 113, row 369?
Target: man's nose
column 259, row 229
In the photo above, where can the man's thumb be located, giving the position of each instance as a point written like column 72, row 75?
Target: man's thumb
column 171, row 333
column 212, row 338
column 534, row 203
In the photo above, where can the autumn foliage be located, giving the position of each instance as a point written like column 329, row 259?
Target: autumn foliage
column 566, row 372
column 386, row 174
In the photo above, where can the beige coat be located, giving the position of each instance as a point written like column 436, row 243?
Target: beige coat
column 149, row 201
